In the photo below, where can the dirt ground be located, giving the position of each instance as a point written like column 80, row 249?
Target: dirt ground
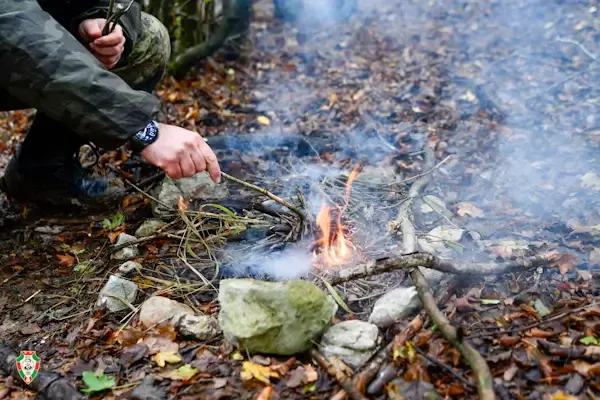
column 507, row 94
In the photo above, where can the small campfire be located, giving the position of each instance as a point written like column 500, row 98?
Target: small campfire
column 334, row 248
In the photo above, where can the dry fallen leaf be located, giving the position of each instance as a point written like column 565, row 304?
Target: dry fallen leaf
column 65, row 259
column 161, row 358
column 508, row 341
column 470, row 209
column 183, row 373
column 265, row 394
column 310, row 373
column 565, row 262
column 252, row 370
column 263, row 120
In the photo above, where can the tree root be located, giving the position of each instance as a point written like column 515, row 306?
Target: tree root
column 342, row 379
column 48, row 385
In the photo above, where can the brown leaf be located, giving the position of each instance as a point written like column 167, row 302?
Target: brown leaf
column 470, row 209
column 30, row 329
column 508, row 341
column 66, row 259
column 310, row 373
column 546, row 367
column 283, row 368
column 539, row 333
column 182, row 205
column 265, row 394
column 157, row 343
column 296, row 378
column 463, row 305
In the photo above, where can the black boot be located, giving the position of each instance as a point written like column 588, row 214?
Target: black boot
column 46, row 170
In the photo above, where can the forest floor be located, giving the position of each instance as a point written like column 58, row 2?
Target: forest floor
column 505, row 92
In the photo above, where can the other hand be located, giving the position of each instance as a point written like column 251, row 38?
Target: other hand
column 182, row 153
column 108, row 49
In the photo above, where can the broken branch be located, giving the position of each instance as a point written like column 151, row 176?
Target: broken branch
column 485, row 384
column 342, row 379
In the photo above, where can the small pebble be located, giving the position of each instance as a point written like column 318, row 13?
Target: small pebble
column 575, row 384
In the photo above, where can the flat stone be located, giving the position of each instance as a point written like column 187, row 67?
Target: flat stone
column 395, row 305
column 159, row 309
column 353, row 342
column 273, row 317
column 115, row 289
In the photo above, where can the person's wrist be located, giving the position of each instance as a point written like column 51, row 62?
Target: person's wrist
column 144, row 137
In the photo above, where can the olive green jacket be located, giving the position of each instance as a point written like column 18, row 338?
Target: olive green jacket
column 44, row 65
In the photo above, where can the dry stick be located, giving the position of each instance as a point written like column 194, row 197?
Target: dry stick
column 407, row 261
column 266, row 193
column 342, row 379
column 485, row 383
column 445, row 367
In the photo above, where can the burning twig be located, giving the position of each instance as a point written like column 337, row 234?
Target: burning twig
column 266, row 193
column 343, row 380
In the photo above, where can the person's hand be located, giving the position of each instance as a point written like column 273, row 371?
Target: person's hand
column 181, row 153
column 108, row 49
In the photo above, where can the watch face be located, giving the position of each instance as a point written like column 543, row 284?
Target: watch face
column 148, row 135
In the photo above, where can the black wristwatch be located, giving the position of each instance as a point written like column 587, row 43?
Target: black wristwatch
column 145, row 137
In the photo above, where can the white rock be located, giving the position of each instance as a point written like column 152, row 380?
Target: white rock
column 353, row 342
column 201, row 327
column 127, row 252
column 118, row 288
column 129, row 266
column 158, row 309
column 395, row 305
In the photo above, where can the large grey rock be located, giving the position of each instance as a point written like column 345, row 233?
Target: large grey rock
column 273, row 317
column 198, row 187
column 394, row 305
column 158, row 309
column 128, row 252
column 149, row 227
column 117, row 288
column 200, row 327
column 353, row 342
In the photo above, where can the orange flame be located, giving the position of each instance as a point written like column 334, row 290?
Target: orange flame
column 336, row 249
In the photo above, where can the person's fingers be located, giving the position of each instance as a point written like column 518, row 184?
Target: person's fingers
column 198, row 159
column 112, row 39
column 91, row 29
column 173, row 170
column 109, row 62
column 187, row 166
column 108, row 51
column 212, row 164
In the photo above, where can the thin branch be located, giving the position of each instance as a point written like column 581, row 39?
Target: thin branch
column 342, row 379
column 485, row 383
column 444, row 366
column 581, row 46
column 266, row 193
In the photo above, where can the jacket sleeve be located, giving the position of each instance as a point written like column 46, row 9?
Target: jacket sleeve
column 130, row 21
column 45, row 66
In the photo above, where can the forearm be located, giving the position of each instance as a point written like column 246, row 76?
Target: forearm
column 43, row 65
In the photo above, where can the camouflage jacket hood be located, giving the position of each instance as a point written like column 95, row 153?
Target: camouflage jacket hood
column 44, row 65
